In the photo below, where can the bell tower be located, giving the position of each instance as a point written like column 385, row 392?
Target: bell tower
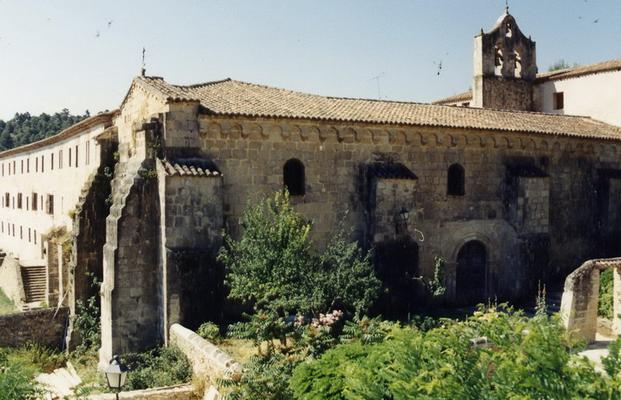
column 505, row 67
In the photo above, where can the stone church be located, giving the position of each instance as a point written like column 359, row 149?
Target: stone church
column 509, row 196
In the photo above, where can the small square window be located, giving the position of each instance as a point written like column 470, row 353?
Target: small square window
column 559, row 101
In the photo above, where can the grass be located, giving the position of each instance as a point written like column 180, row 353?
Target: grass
column 6, row 305
column 35, row 358
column 239, row 349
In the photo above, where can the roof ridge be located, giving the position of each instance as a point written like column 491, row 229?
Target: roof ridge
column 197, row 85
column 404, row 102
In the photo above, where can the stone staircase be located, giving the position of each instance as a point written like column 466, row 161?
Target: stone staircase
column 35, row 283
column 124, row 177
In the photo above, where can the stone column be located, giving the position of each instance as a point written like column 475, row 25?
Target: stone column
column 580, row 300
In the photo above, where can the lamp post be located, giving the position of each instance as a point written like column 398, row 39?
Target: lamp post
column 402, row 221
column 116, row 373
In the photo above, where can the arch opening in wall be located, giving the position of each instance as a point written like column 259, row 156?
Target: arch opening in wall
column 518, row 65
column 294, row 177
column 471, row 273
column 498, row 61
column 455, row 185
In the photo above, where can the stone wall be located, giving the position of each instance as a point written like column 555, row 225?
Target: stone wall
column 506, row 94
column 394, row 200
column 191, row 224
column 251, row 153
column 45, row 327
column 11, row 280
column 581, row 297
column 131, row 290
column 180, row 392
column 208, row 362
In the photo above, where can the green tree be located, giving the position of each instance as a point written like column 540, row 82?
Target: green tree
column 274, row 265
column 25, row 128
column 561, row 64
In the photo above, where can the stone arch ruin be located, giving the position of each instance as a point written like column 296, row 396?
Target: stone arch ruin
column 581, row 298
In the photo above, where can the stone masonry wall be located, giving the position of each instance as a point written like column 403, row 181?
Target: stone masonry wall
column 251, row 153
column 11, row 280
column 533, row 204
column 208, row 362
column 179, row 392
column 507, row 94
column 391, row 197
column 191, row 234
column 45, row 327
column 580, row 300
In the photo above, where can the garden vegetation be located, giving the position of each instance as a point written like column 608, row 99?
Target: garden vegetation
column 315, row 341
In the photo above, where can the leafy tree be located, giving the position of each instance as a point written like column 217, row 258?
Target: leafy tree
column 296, row 293
column 561, row 64
column 274, row 265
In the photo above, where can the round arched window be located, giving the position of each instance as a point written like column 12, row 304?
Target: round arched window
column 294, row 178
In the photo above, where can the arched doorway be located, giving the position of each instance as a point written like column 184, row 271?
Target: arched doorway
column 470, row 285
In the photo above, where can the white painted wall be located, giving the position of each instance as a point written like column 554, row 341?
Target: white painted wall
column 597, row 95
column 64, row 183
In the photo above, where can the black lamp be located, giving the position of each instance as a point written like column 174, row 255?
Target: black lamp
column 116, row 373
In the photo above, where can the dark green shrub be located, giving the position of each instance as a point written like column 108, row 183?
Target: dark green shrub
column 87, row 322
column 209, row 331
column 156, row 368
column 265, row 377
column 521, row 358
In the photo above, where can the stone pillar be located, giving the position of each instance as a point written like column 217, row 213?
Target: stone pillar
column 580, row 300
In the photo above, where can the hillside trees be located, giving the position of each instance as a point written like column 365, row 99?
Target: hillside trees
column 24, row 128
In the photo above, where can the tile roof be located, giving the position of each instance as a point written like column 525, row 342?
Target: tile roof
column 465, row 96
column 189, row 167
column 390, row 170
column 606, row 66
column 235, row 98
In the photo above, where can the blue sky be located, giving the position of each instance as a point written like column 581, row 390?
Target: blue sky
column 83, row 54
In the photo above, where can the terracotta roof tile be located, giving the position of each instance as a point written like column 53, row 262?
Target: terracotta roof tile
column 606, row 66
column 189, row 167
column 465, row 96
column 390, row 170
column 236, row 98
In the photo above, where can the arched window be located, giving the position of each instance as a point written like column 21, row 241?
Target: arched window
column 293, row 177
column 455, row 182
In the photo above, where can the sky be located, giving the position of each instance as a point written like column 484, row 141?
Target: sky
column 83, row 54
